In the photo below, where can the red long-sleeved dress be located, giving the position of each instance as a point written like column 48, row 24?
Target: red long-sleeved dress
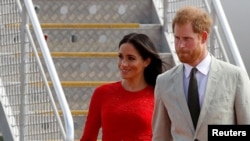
column 122, row 115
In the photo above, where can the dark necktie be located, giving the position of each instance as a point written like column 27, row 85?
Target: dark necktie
column 193, row 98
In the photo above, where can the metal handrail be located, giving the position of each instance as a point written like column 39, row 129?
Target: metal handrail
column 52, row 71
column 228, row 33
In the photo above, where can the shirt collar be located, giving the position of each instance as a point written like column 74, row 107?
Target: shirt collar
column 202, row 67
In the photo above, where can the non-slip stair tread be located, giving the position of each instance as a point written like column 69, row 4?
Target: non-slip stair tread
column 97, row 39
column 88, row 25
column 92, row 66
column 76, row 112
column 93, row 11
column 83, row 54
column 81, row 83
column 94, row 54
column 96, row 25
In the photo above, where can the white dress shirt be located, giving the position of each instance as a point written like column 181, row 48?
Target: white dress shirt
column 201, row 75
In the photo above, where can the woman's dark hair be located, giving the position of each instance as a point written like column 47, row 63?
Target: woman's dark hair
column 146, row 48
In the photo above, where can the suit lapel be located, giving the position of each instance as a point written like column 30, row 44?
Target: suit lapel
column 213, row 79
column 179, row 89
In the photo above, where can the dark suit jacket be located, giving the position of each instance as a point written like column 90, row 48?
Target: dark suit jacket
column 227, row 101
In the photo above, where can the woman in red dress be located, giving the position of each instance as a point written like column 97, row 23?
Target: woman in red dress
column 124, row 109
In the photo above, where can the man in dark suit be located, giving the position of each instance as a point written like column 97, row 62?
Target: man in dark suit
column 223, row 89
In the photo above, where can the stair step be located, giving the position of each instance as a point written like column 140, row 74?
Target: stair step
column 83, row 67
column 81, row 83
column 87, row 69
column 94, row 54
column 83, row 54
column 73, row 112
column 88, row 25
column 94, row 11
column 79, row 38
column 76, row 112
